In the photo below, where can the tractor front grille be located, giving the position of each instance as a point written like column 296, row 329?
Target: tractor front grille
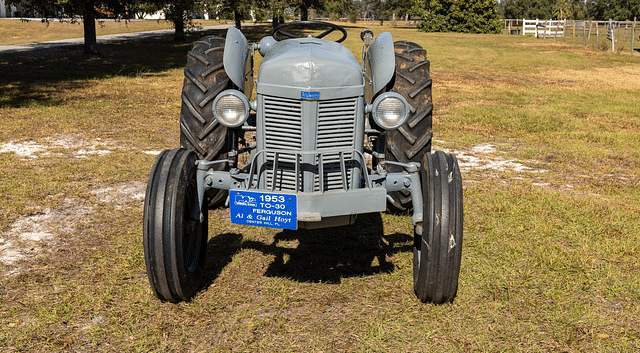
column 323, row 142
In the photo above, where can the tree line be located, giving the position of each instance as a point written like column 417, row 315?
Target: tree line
column 179, row 12
column 618, row 10
column 476, row 16
column 466, row 16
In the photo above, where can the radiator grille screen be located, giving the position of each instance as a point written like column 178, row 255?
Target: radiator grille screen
column 335, row 129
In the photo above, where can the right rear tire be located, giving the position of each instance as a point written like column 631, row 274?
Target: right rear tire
column 204, row 79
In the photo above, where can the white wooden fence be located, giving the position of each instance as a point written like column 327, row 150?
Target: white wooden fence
column 543, row 28
column 617, row 35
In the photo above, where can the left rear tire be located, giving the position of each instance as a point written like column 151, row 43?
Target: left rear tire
column 174, row 237
column 204, row 79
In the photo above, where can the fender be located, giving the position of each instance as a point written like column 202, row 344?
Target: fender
column 238, row 60
column 380, row 65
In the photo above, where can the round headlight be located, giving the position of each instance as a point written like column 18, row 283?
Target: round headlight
column 231, row 108
column 390, row 111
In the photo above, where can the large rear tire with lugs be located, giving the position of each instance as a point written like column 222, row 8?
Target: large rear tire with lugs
column 437, row 248
column 174, row 236
column 412, row 140
column 204, row 79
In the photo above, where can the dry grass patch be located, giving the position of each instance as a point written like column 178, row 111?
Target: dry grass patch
column 595, row 78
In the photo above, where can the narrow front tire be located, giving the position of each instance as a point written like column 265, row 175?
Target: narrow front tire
column 437, row 248
column 175, row 238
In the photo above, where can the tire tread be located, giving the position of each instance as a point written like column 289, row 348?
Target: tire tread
column 436, row 257
column 413, row 139
column 205, row 78
column 164, row 212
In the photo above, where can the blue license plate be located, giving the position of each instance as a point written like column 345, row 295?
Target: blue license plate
column 264, row 209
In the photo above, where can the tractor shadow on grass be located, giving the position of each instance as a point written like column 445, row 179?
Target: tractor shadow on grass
column 220, row 252
column 321, row 256
column 328, row 255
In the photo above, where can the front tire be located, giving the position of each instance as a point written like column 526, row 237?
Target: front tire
column 437, row 248
column 174, row 237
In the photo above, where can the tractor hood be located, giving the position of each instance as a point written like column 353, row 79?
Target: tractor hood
column 325, row 68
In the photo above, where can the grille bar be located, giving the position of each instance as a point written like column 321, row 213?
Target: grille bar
column 277, row 165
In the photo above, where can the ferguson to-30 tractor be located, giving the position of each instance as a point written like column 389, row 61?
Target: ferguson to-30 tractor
column 330, row 138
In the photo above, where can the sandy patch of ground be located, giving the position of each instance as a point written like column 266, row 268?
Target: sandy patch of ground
column 28, row 149
column 33, row 234
column 68, row 145
column 73, row 146
column 484, row 157
column 153, row 153
column 121, row 194
column 51, row 228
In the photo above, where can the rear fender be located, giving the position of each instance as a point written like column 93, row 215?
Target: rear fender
column 238, row 60
column 380, row 64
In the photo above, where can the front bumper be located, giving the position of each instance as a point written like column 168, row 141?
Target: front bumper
column 363, row 190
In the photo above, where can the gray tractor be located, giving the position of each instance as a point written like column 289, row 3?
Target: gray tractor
column 326, row 139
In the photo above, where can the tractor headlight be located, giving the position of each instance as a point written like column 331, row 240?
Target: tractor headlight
column 231, row 108
column 390, row 110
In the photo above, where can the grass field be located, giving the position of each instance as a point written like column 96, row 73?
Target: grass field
column 548, row 137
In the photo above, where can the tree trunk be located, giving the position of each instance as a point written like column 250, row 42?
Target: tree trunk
column 178, row 23
column 304, row 12
column 237, row 16
column 89, row 23
column 278, row 17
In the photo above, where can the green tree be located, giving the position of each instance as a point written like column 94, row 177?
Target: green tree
column 341, row 8
column 278, row 12
column 240, row 10
column 88, row 10
column 371, row 9
column 180, row 14
column 464, row 16
column 550, row 9
column 619, row 10
column 529, row 9
column 305, row 5
column 398, row 8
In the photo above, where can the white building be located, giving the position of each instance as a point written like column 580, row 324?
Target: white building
column 8, row 11
column 153, row 16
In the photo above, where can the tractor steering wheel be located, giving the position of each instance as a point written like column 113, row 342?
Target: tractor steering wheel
column 303, row 24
